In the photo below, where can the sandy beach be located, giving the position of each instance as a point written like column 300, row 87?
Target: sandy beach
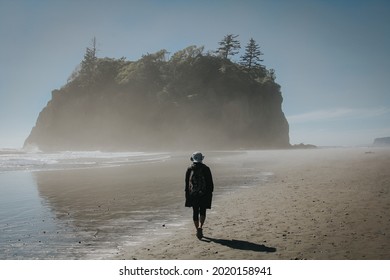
column 328, row 203
column 319, row 204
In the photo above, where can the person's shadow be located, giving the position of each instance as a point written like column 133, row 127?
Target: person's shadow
column 240, row 244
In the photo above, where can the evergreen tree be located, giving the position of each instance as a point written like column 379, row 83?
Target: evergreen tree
column 251, row 58
column 89, row 63
column 228, row 46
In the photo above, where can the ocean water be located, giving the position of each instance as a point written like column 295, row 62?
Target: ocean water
column 19, row 160
column 34, row 225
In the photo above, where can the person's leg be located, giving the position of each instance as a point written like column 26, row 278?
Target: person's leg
column 202, row 213
column 196, row 224
column 202, row 219
column 195, row 215
column 199, row 230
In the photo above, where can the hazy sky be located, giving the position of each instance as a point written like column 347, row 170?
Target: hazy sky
column 331, row 57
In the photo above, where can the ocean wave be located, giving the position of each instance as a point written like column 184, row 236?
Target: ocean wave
column 17, row 160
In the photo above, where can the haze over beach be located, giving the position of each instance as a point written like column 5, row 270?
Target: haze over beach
column 102, row 104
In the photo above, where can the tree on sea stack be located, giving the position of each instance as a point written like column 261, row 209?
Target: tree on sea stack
column 251, row 59
column 89, row 64
column 229, row 46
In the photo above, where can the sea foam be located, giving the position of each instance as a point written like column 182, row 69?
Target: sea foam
column 20, row 160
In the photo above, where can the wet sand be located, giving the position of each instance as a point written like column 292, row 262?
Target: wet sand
column 319, row 204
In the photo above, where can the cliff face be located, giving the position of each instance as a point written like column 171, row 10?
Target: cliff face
column 186, row 102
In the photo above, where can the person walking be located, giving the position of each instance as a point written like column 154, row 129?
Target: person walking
column 199, row 189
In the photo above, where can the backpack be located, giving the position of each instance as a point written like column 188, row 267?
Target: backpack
column 197, row 183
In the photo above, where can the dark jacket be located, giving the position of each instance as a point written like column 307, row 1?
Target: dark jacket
column 206, row 199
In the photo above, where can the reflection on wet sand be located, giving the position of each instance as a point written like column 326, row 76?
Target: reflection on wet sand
column 109, row 207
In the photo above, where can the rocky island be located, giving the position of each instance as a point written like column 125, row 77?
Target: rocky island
column 190, row 99
column 382, row 142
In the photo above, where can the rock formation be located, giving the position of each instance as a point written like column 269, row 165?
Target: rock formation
column 382, row 142
column 189, row 101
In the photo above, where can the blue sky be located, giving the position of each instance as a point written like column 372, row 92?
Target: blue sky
column 331, row 57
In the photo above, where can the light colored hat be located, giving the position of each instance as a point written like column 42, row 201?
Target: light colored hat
column 197, row 157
